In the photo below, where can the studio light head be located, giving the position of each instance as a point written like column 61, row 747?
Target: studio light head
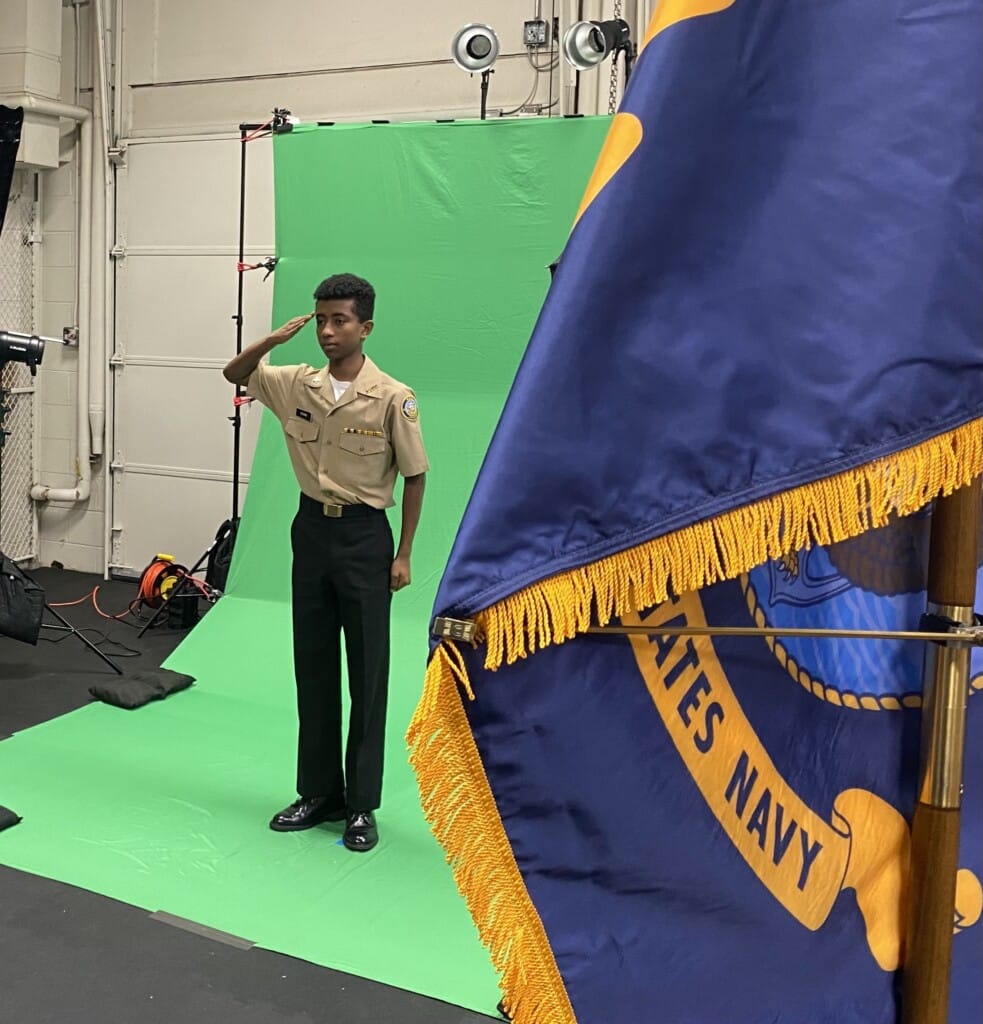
column 475, row 48
column 24, row 348
column 587, row 43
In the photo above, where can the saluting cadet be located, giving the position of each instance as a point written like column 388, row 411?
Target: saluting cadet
column 349, row 429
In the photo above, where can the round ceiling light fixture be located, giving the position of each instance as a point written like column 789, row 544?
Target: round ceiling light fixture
column 475, row 48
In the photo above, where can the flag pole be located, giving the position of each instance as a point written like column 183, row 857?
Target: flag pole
column 935, row 827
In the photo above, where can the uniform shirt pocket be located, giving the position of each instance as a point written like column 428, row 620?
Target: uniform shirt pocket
column 301, row 430
column 360, row 444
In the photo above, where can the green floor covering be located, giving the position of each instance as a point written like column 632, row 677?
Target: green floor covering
column 166, row 808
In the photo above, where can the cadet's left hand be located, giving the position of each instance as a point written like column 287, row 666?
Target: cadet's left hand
column 399, row 575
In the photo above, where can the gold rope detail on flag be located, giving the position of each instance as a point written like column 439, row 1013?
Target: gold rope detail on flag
column 823, row 691
column 723, row 547
column 458, row 803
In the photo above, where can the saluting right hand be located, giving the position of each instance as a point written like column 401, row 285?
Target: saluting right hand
column 289, row 329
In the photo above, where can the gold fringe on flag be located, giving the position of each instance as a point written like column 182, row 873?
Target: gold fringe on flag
column 461, row 809
column 456, row 797
column 723, row 547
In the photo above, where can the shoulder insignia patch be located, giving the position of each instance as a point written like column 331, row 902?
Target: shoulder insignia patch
column 409, row 408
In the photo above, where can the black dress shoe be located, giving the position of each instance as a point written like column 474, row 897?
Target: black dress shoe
column 360, row 831
column 307, row 812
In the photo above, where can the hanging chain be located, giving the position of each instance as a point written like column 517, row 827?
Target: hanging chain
column 613, row 88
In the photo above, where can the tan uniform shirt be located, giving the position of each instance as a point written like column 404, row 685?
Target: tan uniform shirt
column 349, row 450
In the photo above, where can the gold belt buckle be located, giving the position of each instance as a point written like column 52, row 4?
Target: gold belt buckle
column 333, row 511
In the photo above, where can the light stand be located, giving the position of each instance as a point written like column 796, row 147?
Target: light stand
column 485, row 75
column 244, row 131
column 67, row 627
column 631, row 52
column 281, row 122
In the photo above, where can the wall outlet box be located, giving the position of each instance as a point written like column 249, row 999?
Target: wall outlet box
column 534, row 33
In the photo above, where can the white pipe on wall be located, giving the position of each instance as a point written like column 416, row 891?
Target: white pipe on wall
column 83, row 117
column 101, row 201
column 118, row 91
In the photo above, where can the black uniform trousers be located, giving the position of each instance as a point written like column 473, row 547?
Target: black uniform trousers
column 340, row 584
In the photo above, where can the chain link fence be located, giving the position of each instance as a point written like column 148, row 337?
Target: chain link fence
column 18, row 518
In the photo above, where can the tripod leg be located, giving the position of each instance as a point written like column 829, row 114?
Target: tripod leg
column 160, row 609
column 88, row 643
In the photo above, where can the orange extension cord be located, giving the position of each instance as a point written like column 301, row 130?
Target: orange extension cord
column 153, row 589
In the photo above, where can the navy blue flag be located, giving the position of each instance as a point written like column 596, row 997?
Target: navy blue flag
column 759, row 362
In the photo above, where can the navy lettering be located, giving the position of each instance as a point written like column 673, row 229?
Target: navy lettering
column 704, row 743
column 742, row 783
column 809, row 854
column 782, row 839
column 691, row 701
column 688, row 660
column 759, row 818
column 665, row 642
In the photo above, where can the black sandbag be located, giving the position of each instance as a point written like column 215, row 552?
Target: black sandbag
column 8, row 818
column 141, row 688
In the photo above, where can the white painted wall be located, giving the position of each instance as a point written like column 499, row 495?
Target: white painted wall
column 187, row 73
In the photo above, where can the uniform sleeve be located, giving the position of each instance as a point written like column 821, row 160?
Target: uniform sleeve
column 273, row 386
column 406, row 437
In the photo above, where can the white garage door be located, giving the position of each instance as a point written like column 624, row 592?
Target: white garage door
column 176, row 296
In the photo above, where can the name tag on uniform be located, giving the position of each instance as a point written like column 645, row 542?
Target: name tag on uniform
column 302, row 414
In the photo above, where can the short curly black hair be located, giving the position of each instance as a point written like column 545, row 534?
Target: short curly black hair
column 348, row 286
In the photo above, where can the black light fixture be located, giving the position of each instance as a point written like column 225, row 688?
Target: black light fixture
column 475, row 48
column 16, row 347
column 587, row 43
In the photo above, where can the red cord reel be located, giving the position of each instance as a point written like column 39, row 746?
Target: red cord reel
column 159, row 579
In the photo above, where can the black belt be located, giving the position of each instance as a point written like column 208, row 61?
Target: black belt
column 332, row 511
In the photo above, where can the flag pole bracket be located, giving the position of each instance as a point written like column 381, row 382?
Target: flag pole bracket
column 455, row 629
column 960, row 632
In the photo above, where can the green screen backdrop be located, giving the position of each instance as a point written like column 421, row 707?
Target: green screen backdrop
column 166, row 807
column 455, row 224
